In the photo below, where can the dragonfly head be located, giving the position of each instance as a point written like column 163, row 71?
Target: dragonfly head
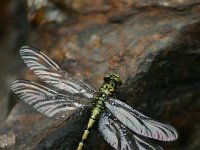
column 111, row 82
column 113, row 78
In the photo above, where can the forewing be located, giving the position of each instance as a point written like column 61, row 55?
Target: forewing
column 140, row 123
column 52, row 74
column 120, row 138
column 45, row 100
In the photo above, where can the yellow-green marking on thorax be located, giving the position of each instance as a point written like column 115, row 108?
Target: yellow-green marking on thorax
column 108, row 88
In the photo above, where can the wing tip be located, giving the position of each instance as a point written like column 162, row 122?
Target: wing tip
column 174, row 134
column 13, row 85
column 24, row 49
column 31, row 53
column 17, row 83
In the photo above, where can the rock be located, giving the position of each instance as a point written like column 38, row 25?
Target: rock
column 155, row 50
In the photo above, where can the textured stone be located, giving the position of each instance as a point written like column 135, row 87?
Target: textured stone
column 154, row 48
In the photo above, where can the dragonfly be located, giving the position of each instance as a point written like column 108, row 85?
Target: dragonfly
column 123, row 127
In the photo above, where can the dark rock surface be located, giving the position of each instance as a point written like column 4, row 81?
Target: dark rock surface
column 154, row 47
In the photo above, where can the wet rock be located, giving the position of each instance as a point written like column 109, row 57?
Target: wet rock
column 155, row 50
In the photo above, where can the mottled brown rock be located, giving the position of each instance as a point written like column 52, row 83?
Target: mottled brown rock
column 155, row 49
column 9, row 34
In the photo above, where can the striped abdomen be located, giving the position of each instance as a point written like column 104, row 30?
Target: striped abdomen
column 105, row 91
column 96, row 111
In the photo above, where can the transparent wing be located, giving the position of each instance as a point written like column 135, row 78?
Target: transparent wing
column 140, row 123
column 45, row 100
column 120, row 138
column 52, row 74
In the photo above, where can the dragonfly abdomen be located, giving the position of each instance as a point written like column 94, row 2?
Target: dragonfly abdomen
column 96, row 111
column 106, row 90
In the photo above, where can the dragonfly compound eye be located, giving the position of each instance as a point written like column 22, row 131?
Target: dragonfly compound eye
column 116, row 79
column 107, row 78
column 113, row 78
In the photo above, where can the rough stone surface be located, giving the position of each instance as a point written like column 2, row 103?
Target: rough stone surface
column 154, row 48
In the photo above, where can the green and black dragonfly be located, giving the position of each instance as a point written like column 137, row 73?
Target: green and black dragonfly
column 123, row 127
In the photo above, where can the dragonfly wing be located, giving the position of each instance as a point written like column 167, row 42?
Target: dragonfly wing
column 120, row 138
column 145, row 144
column 52, row 74
column 114, row 134
column 140, row 123
column 45, row 100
